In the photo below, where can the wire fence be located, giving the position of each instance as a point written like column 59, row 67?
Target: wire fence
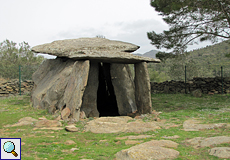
column 177, row 72
column 14, row 72
column 16, row 79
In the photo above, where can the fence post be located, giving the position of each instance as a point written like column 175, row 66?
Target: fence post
column 185, row 79
column 20, row 80
column 222, row 80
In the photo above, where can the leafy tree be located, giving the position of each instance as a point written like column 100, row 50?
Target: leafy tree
column 156, row 76
column 191, row 21
column 13, row 55
column 163, row 56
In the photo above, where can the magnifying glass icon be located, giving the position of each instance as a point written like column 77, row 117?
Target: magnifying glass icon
column 9, row 147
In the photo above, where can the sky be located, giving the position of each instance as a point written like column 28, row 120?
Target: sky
column 43, row 21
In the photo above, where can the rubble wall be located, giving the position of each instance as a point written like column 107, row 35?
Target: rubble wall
column 11, row 87
column 207, row 86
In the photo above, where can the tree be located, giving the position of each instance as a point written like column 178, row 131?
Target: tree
column 163, row 56
column 13, row 55
column 191, row 21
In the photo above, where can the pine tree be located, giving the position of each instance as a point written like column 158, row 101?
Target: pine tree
column 191, row 21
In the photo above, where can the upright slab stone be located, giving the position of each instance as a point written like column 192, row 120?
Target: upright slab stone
column 50, row 82
column 142, row 88
column 89, row 102
column 76, row 87
column 124, row 88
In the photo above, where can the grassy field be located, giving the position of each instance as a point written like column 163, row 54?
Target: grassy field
column 175, row 108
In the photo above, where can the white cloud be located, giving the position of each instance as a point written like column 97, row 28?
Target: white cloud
column 43, row 21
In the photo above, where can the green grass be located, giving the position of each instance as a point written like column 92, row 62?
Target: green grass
column 175, row 108
column 211, row 109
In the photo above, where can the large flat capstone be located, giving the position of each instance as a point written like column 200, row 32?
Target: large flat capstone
column 99, row 49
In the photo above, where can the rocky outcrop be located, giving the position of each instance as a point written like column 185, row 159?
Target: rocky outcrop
column 135, row 137
column 48, row 123
column 221, row 152
column 205, row 85
column 23, row 122
column 150, row 150
column 207, row 142
column 120, row 124
column 194, row 125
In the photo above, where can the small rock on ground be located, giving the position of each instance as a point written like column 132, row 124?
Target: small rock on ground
column 69, row 142
column 71, row 128
column 65, row 113
column 74, row 149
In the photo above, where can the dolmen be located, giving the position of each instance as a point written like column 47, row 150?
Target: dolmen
column 92, row 75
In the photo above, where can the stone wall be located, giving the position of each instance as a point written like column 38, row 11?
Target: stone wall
column 11, row 87
column 207, row 86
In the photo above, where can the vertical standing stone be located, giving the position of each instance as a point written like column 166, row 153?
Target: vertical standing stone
column 124, row 88
column 142, row 88
column 76, row 87
column 50, row 82
column 89, row 102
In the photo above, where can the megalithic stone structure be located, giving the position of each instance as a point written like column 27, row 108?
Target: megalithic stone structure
column 92, row 75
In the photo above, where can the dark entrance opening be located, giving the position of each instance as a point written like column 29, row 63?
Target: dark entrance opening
column 106, row 99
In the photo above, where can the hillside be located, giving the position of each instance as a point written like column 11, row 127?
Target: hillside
column 151, row 54
column 203, row 62
column 215, row 54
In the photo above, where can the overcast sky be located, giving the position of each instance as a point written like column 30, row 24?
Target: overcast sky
column 43, row 21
